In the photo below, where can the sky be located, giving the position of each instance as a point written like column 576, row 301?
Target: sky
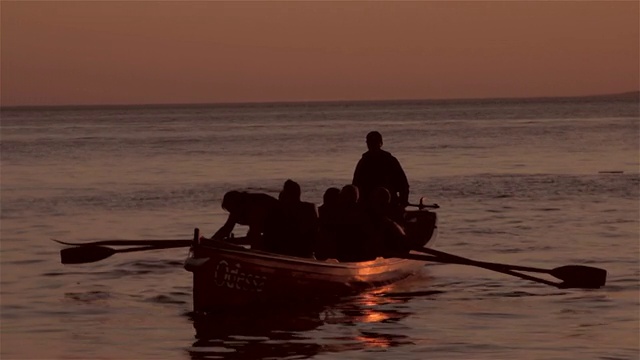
column 170, row 52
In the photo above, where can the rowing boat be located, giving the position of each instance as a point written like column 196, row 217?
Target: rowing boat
column 227, row 275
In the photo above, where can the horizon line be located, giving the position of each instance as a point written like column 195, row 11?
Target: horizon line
column 623, row 95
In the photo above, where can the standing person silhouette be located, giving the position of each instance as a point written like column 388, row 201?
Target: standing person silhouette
column 378, row 168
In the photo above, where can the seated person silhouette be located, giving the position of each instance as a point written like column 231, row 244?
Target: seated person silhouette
column 392, row 236
column 292, row 227
column 355, row 237
column 328, row 216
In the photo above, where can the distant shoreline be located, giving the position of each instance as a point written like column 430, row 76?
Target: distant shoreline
column 624, row 96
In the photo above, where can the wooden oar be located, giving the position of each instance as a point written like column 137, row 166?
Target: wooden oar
column 129, row 242
column 573, row 276
column 234, row 240
column 92, row 253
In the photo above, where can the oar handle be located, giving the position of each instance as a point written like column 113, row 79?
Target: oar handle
column 482, row 263
column 153, row 247
column 489, row 266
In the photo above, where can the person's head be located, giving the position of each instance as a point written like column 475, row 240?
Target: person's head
column 349, row 194
column 290, row 191
column 232, row 201
column 331, row 196
column 374, row 140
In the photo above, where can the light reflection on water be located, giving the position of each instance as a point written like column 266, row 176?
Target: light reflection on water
column 303, row 331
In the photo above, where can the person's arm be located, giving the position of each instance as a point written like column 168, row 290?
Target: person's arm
column 402, row 184
column 358, row 175
column 226, row 229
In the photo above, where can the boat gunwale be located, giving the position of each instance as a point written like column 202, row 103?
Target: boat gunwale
column 246, row 254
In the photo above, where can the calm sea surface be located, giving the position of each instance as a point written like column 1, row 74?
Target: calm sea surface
column 533, row 182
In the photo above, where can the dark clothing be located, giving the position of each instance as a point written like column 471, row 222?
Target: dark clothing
column 379, row 168
column 254, row 209
column 325, row 245
column 251, row 209
column 345, row 234
column 393, row 238
column 292, row 228
column 355, row 239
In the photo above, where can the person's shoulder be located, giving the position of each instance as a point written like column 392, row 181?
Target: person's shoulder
column 387, row 155
column 305, row 210
column 263, row 197
column 308, row 204
column 374, row 155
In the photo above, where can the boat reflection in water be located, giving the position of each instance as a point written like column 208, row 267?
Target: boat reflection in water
column 255, row 335
column 303, row 331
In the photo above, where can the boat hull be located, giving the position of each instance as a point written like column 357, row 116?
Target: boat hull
column 227, row 275
column 225, row 278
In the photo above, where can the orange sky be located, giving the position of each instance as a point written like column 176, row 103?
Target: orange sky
column 143, row 52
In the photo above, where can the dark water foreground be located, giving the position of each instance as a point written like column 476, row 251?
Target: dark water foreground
column 294, row 332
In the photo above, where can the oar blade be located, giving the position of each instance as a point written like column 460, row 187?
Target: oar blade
column 580, row 276
column 85, row 254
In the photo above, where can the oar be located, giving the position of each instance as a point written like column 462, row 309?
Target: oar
column 567, row 272
column 234, row 240
column 129, row 242
column 485, row 266
column 92, row 253
column 573, row 276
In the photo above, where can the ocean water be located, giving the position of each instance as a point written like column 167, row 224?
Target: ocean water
column 537, row 182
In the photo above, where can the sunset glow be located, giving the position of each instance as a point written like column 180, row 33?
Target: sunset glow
column 56, row 53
